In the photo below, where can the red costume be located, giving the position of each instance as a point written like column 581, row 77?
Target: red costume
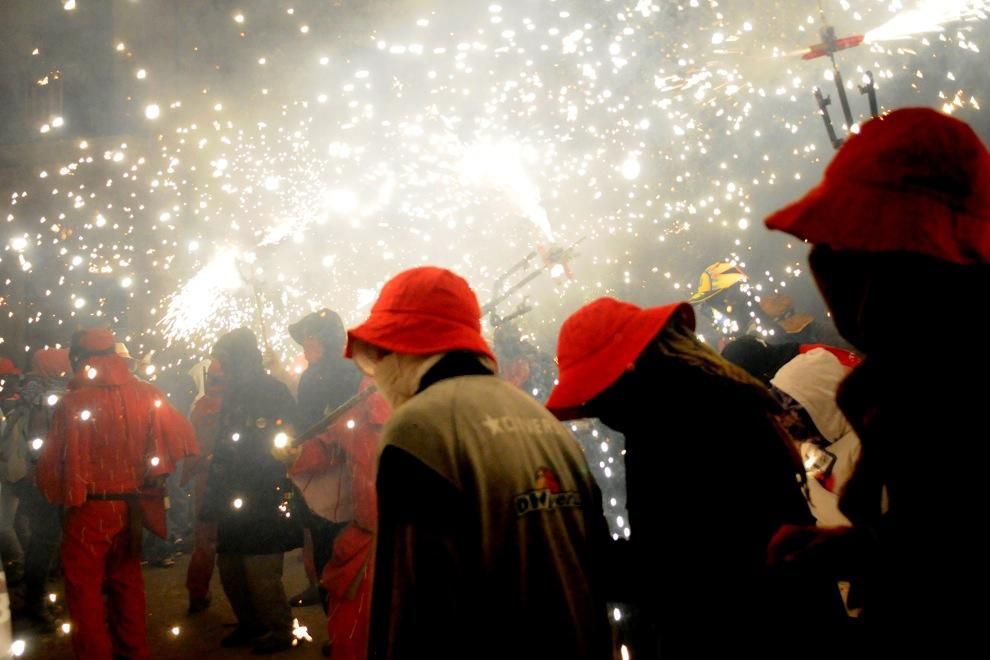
column 348, row 575
column 110, row 435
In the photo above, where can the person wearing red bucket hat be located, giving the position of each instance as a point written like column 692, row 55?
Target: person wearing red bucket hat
column 899, row 224
column 710, row 476
column 490, row 530
column 422, row 311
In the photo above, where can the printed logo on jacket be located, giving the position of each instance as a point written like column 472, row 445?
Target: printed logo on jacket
column 547, row 496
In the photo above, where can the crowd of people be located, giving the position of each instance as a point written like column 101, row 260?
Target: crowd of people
column 784, row 498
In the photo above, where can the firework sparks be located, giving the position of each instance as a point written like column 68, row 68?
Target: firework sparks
column 662, row 133
column 928, row 17
column 211, row 294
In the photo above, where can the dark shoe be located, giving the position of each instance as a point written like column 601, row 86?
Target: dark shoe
column 240, row 637
column 197, row 605
column 270, row 644
column 310, row 596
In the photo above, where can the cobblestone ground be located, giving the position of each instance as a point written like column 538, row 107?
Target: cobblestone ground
column 172, row 634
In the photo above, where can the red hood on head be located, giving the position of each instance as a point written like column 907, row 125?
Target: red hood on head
column 102, row 371
column 52, row 363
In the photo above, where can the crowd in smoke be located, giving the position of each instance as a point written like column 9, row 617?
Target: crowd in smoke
column 224, row 189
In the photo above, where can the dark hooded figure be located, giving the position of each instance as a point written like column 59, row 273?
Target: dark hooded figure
column 711, row 477
column 330, row 379
column 250, row 497
column 900, row 224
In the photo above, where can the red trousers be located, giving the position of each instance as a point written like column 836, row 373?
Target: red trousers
column 204, row 554
column 96, row 556
column 202, row 561
column 347, row 578
column 348, row 622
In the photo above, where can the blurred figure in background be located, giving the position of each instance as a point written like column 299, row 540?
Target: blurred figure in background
column 10, row 545
column 250, row 498
column 805, row 378
column 23, row 442
column 522, row 363
column 328, row 381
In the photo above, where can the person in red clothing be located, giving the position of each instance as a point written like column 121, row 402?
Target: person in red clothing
column 205, row 418
column 110, row 437
column 347, row 576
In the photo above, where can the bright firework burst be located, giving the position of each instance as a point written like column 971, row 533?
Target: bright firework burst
column 338, row 146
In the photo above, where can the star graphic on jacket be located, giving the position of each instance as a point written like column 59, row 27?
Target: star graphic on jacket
column 493, row 425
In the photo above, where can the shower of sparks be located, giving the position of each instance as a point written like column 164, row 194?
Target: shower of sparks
column 216, row 297
column 300, row 633
column 334, row 150
column 930, row 16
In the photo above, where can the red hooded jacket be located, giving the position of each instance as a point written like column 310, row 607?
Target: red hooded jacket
column 110, row 433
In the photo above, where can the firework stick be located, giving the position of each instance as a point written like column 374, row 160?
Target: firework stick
column 333, row 416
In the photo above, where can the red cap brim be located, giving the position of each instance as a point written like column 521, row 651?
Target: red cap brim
column 582, row 382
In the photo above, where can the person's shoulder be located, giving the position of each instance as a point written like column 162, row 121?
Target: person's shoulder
column 312, row 374
column 426, row 412
column 150, row 393
column 418, row 410
column 465, row 386
column 451, row 399
column 496, row 392
column 271, row 384
column 144, row 387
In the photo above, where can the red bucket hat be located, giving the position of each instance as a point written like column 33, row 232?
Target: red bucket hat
column 913, row 181
column 424, row 311
column 96, row 340
column 599, row 342
column 8, row 368
column 51, row 362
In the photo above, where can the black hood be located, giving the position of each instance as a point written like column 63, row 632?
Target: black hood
column 325, row 325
